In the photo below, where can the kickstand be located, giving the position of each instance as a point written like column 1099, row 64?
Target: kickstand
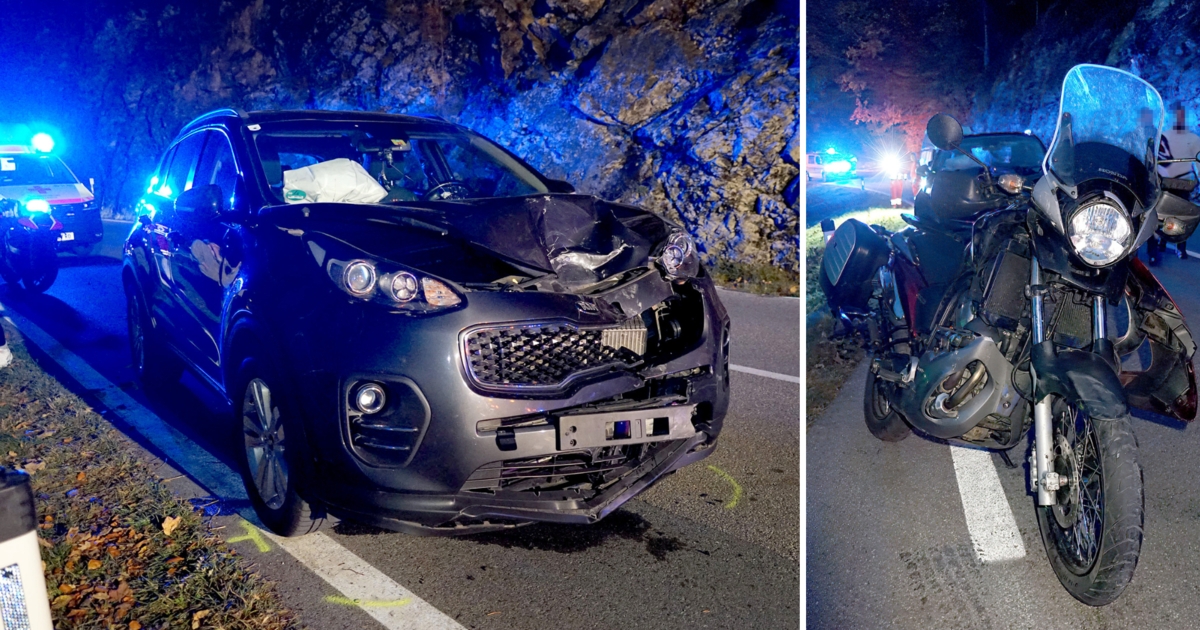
column 1008, row 462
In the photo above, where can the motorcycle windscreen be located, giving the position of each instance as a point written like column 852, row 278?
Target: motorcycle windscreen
column 1166, row 380
column 1109, row 123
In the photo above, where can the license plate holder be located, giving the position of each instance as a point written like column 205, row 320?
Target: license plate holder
column 66, row 236
column 617, row 428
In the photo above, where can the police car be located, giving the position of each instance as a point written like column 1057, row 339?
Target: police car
column 31, row 171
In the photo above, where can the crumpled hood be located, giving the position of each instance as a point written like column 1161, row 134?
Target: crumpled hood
column 579, row 238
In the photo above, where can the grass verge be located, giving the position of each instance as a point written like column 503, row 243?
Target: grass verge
column 755, row 278
column 120, row 550
column 828, row 364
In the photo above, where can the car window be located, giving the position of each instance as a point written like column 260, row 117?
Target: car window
column 217, row 166
column 30, row 170
column 408, row 162
column 180, row 168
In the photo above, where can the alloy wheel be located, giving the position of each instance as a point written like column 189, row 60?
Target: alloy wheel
column 264, row 443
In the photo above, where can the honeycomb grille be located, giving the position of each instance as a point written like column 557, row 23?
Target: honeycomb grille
column 546, row 356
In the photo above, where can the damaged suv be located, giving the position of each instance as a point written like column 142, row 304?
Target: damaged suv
column 417, row 330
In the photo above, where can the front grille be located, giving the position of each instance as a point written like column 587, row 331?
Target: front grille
column 547, row 356
column 580, row 470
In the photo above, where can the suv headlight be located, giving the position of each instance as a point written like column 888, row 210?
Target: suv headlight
column 679, row 258
column 1100, row 232
column 392, row 285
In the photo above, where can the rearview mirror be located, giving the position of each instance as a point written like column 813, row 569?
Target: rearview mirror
column 944, row 132
column 200, row 203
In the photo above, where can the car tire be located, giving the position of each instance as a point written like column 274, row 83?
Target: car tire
column 153, row 361
column 263, row 454
column 882, row 419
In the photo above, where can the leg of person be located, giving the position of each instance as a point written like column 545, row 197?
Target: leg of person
column 1181, row 247
column 5, row 353
column 1152, row 251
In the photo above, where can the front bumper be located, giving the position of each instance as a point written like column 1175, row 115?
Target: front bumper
column 85, row 226
column 429, row 488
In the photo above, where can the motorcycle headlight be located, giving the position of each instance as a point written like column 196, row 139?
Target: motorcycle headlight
column 37, row 205
column 1100, row 233
column 679, row 257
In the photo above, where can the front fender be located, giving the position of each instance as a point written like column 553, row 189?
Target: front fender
column 1168, row 384
column 1079, row 375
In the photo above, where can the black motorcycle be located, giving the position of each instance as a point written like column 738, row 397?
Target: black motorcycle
column 28, row 251
column 1006, row 305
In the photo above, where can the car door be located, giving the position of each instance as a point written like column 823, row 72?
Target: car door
column 202, row 267
column 162, row 226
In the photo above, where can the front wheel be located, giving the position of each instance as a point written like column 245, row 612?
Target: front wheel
column 883, row 421
column 269, row 442
column 1093, row 536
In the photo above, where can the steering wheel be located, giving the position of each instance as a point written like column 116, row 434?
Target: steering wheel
column 452, row 189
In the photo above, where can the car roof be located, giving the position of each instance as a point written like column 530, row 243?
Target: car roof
column 237, row 116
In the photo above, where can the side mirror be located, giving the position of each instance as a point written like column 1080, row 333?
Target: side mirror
column 559, row 186
column 200, row 204
column 944, row 132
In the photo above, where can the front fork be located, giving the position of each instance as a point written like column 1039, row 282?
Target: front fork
column 1046, row 481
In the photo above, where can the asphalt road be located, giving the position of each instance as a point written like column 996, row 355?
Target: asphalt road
column 888, row 542
column 714, row 546
column 824, row 200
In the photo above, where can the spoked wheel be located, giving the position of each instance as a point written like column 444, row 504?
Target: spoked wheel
column 882, row 419
column 1093, row 536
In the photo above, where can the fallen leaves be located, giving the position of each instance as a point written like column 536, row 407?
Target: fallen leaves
column 198, row 617
column 93, row 564
column 170, row 524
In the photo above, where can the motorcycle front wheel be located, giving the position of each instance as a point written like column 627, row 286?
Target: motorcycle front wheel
column 883, row 421
column 1093, row 536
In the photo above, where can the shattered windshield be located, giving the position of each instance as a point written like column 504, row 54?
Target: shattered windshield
column 1109, row 124
column 354, row 162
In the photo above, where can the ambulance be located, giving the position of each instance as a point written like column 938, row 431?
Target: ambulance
column 30, row 171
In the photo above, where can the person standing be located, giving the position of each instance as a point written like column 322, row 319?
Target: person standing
column 1178, row 143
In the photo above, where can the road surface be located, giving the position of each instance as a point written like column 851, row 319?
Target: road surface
column 889, row 542
column 825, row 200
column 714, row 546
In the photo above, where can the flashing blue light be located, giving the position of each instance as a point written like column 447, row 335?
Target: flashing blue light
column 838, row 167
column 37, row 205
column 1029, row 132
column 42, row 143
column 831, row 151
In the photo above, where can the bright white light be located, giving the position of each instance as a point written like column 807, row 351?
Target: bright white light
column 42, row 143
column 891, row 164
column 1100, row 233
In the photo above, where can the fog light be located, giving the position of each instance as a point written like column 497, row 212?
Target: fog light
column 370, row 398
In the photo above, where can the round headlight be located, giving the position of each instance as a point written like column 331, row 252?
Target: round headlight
column 359, row 277
column 404, row 287
column 1100, row 233
column 370, row 398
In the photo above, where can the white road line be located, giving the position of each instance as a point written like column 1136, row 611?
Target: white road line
column 990, row 520
column 787, row 378
column 339, row 567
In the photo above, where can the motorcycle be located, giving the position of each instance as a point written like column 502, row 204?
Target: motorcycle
column 1006, row 304
column 29, row 248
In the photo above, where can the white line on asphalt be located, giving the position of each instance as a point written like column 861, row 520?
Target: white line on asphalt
column 787, row 378
column 990, row 519
column 318, row 552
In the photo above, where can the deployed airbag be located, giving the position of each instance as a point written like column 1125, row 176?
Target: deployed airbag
column 335, row 181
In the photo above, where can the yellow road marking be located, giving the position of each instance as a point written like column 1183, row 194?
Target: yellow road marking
column 368, row 603
column 737, row 488
column 252, row 534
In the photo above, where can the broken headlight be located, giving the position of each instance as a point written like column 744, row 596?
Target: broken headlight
column 678, row 257
column 392, row 285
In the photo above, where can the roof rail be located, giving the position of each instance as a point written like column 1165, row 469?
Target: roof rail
column 216, row 113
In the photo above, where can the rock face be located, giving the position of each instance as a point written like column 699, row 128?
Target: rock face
column 686, row 107
column 1155, row 40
